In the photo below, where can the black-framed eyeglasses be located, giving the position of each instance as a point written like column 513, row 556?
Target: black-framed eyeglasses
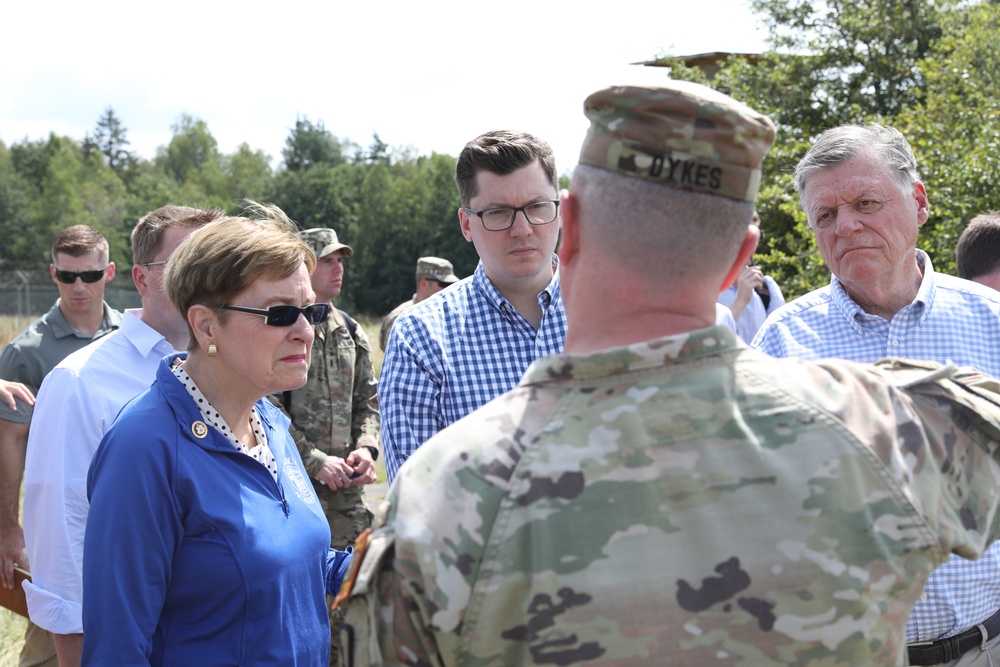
column 286, row 316
column 69, row 277
column 158, row 263
column 537, row 213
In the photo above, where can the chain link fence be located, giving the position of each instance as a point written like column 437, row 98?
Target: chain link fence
column 27, row 294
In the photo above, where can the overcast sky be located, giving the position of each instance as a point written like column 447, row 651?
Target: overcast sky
column 430, row 75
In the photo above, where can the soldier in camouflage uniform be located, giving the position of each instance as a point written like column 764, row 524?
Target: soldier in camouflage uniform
column 433, row 275
column 335, row 418
column 661, row 494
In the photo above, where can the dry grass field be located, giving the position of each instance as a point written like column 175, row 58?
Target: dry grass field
column 11, row 625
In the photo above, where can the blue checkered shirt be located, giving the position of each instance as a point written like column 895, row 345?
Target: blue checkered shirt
column 454, row 352
column 950, row 320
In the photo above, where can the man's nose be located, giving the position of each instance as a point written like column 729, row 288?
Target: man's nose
column 847, row 222
column 521, row 226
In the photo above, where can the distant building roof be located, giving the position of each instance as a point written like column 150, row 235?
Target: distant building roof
column 709, row 63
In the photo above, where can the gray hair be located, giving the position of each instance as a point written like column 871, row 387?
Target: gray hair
column 842, row 144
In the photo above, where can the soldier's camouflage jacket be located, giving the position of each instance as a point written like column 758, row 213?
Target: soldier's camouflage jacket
column 685, row 501
column 335, row 413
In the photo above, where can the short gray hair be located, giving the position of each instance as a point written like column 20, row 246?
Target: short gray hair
column 842, row 144
column 671, row 233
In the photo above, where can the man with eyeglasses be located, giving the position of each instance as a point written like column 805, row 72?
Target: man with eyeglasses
column 433, row 275
column 451, row 354
column 77, row 403
column 860, row 189
column 80, row 269
column 335, row 416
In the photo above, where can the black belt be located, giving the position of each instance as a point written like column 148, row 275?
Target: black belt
column 951, row 648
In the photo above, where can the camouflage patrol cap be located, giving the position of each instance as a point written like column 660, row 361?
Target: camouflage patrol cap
column 680, row 134
column 437, row 269
column 323, row 241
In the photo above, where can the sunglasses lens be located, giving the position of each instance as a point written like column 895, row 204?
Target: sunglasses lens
column 286, row 316
column 69, row 277
column 282, row 316
column 317, row 313
column 91, row 276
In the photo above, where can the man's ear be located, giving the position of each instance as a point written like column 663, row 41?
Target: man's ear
column 464, row 222
column 569, row 212
column 109, row 273
column 747, row 249
column 139, row 278
column 923, row 204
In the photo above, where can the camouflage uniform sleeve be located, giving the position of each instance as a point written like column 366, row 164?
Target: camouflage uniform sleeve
column 440, row 514
column 312, row 458
column 365, row 429
column 945, row 437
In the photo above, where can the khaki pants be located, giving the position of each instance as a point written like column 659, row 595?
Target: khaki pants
column 38, row 651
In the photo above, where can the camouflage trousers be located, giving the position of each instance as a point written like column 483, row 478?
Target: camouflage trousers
column 348, row 517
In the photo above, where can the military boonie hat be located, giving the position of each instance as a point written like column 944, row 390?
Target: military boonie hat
column 436, row 268
column 323, row 241
column 680, row 134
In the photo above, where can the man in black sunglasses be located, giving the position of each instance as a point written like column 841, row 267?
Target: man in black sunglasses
column 80, row 269
column 79, row 401
column 335, row 416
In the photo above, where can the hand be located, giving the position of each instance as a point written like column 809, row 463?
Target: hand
column 11, row 553
column 8, row 390
column 750, row 278
column 361, row 462
column 335, row 473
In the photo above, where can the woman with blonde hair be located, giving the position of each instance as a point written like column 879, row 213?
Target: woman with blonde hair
column 205, row 543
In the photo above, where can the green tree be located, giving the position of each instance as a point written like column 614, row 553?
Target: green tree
column 65, row 186
column 923, row 67
column 249, row 173
column 110, row 139
column 407, row 210
column 310, row 144
column 320, row 196
column 955, row 131
column 192, row 159
column 18, row 250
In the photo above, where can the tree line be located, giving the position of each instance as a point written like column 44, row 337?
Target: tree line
column 390, row 205
column 927, row 68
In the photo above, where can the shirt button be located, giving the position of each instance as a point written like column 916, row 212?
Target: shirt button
column 895, row 343
column 923, row 597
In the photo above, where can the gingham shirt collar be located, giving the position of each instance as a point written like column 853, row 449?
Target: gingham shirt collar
column 483, row 284
column 856, row 315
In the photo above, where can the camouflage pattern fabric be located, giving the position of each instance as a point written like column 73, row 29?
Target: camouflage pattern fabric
column 390, row 319
column 682, row 135
column 332, row 415
column 685, row 501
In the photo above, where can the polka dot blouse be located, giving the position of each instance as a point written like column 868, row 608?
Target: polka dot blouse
column 261, row 452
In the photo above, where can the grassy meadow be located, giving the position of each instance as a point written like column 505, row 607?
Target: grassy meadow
column 11, row 625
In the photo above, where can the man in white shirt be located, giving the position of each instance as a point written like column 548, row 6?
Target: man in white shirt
column 752, row 297
column 77, row 403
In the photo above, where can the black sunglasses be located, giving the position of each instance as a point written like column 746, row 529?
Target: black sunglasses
column 69, row 277
column 286, row 316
